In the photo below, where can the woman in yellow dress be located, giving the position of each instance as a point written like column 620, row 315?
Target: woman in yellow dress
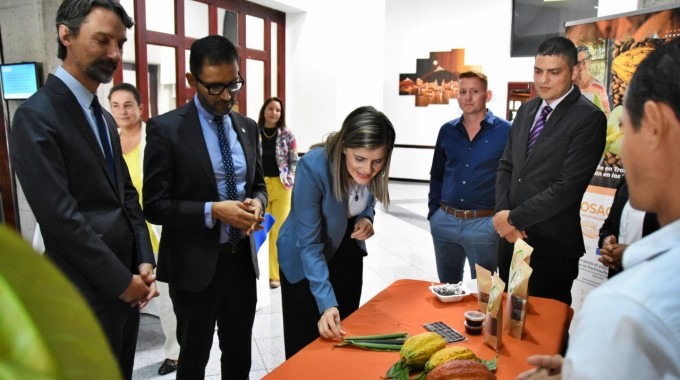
column 126, row 109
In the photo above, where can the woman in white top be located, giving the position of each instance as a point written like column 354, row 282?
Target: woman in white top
column 624, row 226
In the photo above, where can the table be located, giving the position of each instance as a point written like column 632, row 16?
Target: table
column 404, row 306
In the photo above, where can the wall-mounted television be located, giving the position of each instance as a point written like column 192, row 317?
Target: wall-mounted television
column 534, row 21
column 19, row 80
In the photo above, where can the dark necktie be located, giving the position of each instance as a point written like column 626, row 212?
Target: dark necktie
column 103, row 136
column 540, row 123
column 230, row 176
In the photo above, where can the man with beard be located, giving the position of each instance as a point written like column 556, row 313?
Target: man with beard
column 67, row 156
column 205, row 185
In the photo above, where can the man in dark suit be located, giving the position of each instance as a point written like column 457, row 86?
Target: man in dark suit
column 554, row 146
column 66, row 154
column 204, row 184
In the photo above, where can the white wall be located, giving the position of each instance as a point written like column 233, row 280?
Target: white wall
column 415, row 29
column 340, row 55
column 610, row 7
column 334, row 63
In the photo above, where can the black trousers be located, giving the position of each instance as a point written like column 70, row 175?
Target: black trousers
column 554, row 269
column 229, row 300
column 300, row 311
column 120, row 323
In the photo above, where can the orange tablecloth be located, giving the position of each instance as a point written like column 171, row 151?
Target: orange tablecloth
column 405, row 306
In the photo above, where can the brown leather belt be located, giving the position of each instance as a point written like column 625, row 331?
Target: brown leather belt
column 466, row 214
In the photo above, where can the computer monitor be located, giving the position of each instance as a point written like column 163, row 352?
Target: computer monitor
column 19, row 80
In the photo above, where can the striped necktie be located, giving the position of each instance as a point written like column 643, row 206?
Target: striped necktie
column 540, row 123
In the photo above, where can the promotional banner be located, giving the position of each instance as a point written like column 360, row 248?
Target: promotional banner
column 609, row 50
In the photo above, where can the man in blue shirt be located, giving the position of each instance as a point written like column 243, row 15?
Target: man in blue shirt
column 462, row 183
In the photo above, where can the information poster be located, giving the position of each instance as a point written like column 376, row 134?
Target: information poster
column 609, row 50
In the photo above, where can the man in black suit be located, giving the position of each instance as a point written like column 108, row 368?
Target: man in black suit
column 66, row 154
column 204, row 184
column 554, row 146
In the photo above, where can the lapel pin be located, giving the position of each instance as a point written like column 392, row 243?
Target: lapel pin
column 243, row 130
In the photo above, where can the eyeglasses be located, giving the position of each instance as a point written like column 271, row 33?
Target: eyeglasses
column 583, row 61
column 218, row 88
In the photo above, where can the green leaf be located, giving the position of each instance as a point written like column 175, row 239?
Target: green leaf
column 490, row 364
column 47, row 330
column 398, row 371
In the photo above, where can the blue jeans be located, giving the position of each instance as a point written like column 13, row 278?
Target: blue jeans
column 455, row 239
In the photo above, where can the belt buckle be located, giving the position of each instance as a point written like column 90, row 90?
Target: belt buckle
column 467, row 214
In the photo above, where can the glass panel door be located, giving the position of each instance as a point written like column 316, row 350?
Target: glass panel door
column 162, row 82
column 255, row 94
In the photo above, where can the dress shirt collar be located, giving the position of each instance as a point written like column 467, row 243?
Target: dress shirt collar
column 208, row 117
column 82, row 94
column 556, row 102
column 488, row 120
column 652, row 245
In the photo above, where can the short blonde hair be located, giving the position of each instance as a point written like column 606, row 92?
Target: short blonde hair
column 475, row 74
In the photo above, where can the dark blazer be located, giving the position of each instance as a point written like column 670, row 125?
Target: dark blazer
column 543, row 189
column 611, row 225
column 178, row 181
column 93, row 226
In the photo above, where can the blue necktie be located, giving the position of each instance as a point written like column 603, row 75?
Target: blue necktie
column 103, row 136
column 540, row 123
column 234, row 233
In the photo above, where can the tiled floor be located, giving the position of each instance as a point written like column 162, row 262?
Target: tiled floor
column 401, row 248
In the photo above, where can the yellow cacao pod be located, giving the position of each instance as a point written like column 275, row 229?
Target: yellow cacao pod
column 449, row 353
column 417, row 349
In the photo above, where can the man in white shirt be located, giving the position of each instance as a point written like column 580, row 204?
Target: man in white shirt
column 629, row 328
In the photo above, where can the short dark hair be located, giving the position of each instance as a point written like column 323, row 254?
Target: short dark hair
column 475, row 74
column 559, row 46
column 126, row 87
column 212, row 50
column 72, row 13
column 657, row 79
column 281, row 124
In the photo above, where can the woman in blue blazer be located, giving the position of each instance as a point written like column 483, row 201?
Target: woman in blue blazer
column 322, row 242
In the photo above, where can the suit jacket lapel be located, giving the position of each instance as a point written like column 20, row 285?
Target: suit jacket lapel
column 524, row 134
column 70, row 103
column 561, row 110
column 242, row 134
column 556, row 115
column 117, row 152
column 190, row 128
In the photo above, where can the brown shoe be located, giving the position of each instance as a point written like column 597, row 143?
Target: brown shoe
column 274, row 284
column 167, row 367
